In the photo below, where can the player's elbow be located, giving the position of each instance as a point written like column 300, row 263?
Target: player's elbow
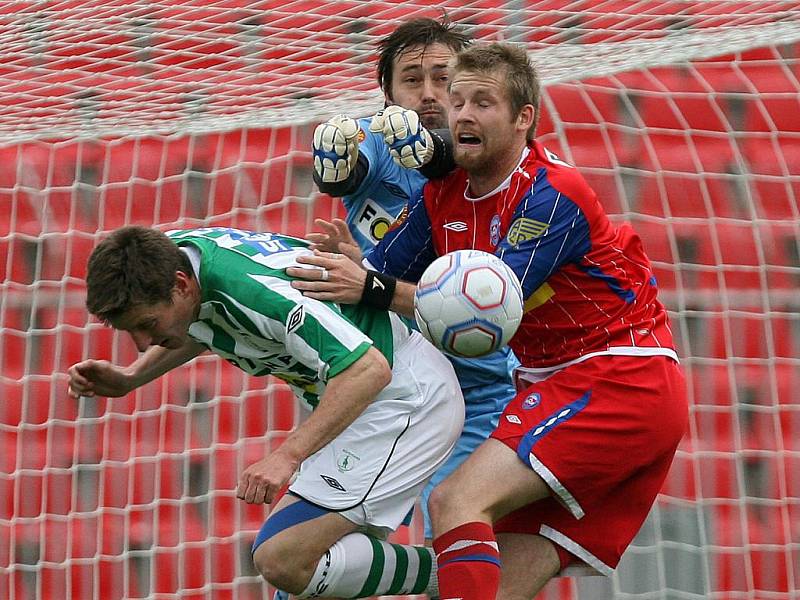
column 373, row 372
column 380, row 373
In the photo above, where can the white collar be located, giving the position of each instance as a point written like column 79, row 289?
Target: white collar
column 194, row 258
column 503, row 185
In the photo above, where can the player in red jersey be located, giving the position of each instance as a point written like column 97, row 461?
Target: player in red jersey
column 577, row 460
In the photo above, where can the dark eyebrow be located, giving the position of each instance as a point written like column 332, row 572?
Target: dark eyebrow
column 417, row 67
column 412, row 67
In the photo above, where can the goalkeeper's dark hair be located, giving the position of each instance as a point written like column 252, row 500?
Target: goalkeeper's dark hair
column 133, row 266
column 416, row 32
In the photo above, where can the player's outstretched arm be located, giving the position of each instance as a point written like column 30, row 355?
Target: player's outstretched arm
column 346, row 396
column 102, row 378
column 335, row 278
column 338, row 170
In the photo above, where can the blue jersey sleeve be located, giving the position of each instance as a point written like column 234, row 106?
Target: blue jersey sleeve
column 407, row 249
column 384, row 191
column 547, row 231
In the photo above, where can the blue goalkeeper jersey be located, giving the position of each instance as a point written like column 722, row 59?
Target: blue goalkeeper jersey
column 382, row 195
column 487, row 382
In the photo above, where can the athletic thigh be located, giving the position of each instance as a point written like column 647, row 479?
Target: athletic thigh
column 489, row 484
column 299, row 533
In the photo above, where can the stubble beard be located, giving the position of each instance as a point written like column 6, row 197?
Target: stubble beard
column 474, row 164
column 437, row 121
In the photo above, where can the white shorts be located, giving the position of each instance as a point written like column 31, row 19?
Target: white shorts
column 375, row 469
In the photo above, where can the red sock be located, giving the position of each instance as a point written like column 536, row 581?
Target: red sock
column 469, row 563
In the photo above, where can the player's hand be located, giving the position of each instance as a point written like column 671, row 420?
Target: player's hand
column 335, row 238
column 98, row 378
column 335, row 148
column 409, row 142
column 261, row 481
column 331, row 277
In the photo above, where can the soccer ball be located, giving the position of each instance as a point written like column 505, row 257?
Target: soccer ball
column 468, row 303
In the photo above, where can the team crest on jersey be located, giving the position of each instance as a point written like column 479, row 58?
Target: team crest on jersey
column 346, row 461
column 494, row 230
column 532, row 401
column 361, row 135
column 401, row 218
column 525, row 230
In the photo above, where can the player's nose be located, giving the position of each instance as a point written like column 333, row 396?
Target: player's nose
column 428, row 90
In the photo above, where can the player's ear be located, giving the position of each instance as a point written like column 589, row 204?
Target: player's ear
column 183, row 283
column 525, row 117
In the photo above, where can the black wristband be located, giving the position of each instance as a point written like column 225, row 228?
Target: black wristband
column 378, row 290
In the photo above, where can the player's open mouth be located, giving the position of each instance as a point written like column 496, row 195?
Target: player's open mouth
column 467, row 139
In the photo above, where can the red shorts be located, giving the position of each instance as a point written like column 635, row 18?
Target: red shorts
column 602, row 433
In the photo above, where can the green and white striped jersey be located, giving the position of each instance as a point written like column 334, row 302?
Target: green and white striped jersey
column 252, row 317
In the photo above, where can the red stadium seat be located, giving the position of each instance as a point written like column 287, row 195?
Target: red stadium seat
column 737, row 335
column 742, row 561
column 775, row 196
column 224, row 561
column 701, row 195
column 15, row 323
column 711, row 254
column 683, row 474
column 18, row 259
column 67, row 255
column 719, row 475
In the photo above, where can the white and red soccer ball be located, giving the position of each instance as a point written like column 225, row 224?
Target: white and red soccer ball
column 468, row 303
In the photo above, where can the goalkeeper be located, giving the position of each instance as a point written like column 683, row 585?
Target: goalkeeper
column 371, row 165
column 387, row 405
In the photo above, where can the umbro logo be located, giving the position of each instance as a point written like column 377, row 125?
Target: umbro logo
column 456, row 226
column 333, row 483
column 295, row 318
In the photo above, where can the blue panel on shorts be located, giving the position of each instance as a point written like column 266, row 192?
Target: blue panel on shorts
column 296, row 513
column 550, row 423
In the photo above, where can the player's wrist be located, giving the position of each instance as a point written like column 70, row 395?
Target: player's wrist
column 130, row 378
column 378, row 290
column 290, row 454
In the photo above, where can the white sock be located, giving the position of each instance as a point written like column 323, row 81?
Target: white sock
column 359, row 566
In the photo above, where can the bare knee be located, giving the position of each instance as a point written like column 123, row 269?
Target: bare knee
column 444, row 506
column 282, row 568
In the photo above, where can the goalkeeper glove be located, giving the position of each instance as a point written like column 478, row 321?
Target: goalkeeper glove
column 335, row 148
column 409, row 142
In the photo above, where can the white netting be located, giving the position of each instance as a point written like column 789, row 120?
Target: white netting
column 684, row 116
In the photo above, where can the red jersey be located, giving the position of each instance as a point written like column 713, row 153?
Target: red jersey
column 588, row 285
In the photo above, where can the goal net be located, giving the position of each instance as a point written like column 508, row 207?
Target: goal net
column 683, row 116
